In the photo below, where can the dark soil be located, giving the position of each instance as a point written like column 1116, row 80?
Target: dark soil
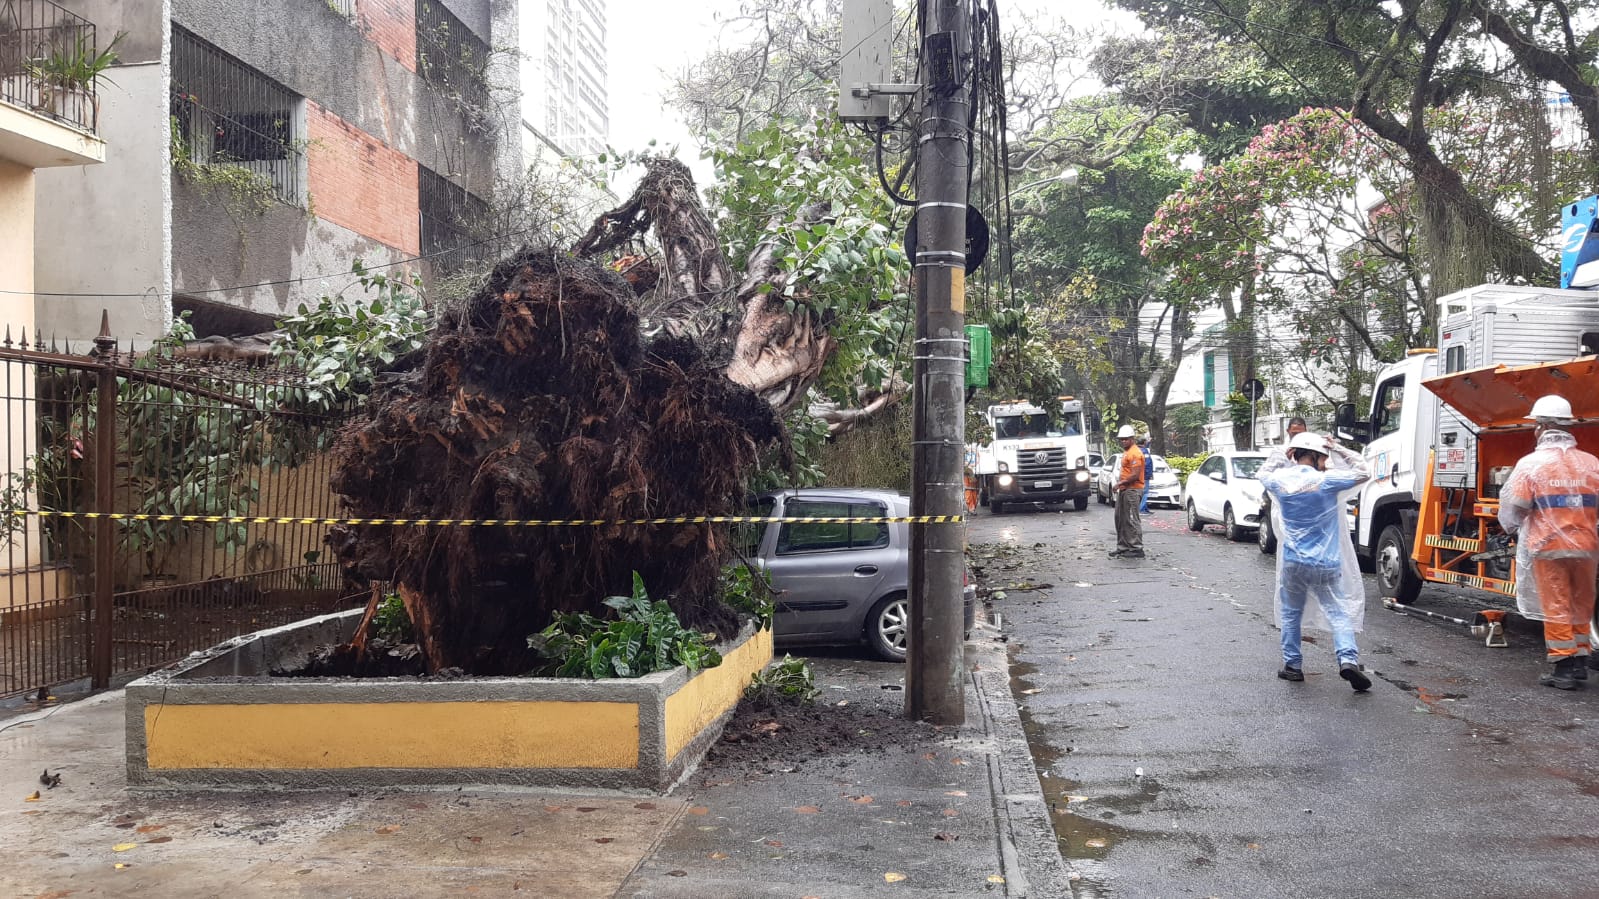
column 768, row 738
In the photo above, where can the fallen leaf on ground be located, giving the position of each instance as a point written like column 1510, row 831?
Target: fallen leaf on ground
column 158, row 840
column 588, row 808
column 699, row 810
column 776, row 843
column 807, row 810
column 32, row 798
column 552, row 808
column 1031, row 691
column 718, row 856
column 123, row 847
column 1095, row 843
column 929, row 755
column 120, row 865
column 956, row 793
column 647, row 806
column 1075, row 798
column 388, row 829
column 767, row 727
column 903, row 803
column 946, row 837
column 842, row 702
column 676, row 873
column 995, row 878
column 893, row 876
column 474, row 839
column 950, row 813
column 150, row 828
column 860, row 800
column 957, row 761
column 602, row 839
column 1253, row 845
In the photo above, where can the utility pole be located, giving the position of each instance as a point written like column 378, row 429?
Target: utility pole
column 935, row 675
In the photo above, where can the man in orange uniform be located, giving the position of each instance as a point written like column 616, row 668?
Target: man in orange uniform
column 1130, row 489
column 1551, row 504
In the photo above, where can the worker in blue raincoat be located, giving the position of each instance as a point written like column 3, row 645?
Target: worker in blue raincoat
column 1315, row 557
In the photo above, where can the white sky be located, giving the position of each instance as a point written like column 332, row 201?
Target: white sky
column 648, row 45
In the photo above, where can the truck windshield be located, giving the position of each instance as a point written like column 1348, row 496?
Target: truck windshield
column 1016, row 427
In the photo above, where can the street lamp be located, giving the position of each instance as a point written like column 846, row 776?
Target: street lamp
column 1066, row 176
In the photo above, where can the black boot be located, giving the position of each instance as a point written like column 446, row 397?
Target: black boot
column 1563, row 677
column 1579, row 668
column 1351, row 672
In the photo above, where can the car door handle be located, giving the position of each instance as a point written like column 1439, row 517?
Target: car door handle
column 865, row 570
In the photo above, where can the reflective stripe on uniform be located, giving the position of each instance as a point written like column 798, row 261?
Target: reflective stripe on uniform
column 1560, row 644
column 1566, row 501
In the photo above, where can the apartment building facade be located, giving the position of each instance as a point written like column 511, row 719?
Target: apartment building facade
column 266, row 144
column 565, row 74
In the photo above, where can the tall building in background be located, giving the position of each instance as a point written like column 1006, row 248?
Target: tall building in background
column 564, row 75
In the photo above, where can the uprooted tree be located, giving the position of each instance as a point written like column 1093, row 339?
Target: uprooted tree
column 564, row 388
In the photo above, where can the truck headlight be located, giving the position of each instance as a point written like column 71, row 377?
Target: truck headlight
column 1082, row 476
column 1004, row 467
column 1082, row 462
column 1005, row 480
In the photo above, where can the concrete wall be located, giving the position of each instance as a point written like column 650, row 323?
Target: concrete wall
column 107, row 229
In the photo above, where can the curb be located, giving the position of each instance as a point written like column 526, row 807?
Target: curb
column 1028, row 848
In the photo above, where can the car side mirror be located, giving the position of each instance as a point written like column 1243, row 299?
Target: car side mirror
column 1218, row 476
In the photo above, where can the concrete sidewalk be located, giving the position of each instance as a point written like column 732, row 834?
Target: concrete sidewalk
column 956, row 811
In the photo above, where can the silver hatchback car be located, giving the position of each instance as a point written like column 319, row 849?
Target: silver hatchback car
column 837, row 583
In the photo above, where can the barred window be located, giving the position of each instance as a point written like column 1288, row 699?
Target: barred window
column 226, row 113
column 456, row 224
column 448, row 54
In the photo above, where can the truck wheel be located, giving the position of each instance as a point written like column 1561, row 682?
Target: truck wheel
column 888, row 627
column 1265, row 537
column 1080, row 503
column 1229, row 525
column 1194, row 524
column 1395, row 574
column 995, row 506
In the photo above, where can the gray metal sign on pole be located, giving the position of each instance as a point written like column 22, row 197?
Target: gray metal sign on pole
column 935, row 675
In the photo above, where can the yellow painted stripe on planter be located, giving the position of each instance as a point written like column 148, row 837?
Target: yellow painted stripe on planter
column 713, row 692
column 393, row 735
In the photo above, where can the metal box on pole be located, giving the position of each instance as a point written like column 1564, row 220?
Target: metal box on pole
column 865, row 61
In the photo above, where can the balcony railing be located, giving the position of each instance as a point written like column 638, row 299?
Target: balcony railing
column 49, row 59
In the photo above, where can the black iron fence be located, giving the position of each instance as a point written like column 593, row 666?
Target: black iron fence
column 49, row 59
column 160, row 442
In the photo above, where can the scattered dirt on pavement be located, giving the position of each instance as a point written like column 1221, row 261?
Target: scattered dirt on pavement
column 784, row 736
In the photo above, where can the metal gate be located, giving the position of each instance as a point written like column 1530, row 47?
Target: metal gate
column 159, row 441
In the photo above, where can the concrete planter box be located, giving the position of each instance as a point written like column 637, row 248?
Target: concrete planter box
column 217, row 720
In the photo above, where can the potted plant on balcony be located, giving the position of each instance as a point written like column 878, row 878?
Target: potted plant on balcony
column 66, row 77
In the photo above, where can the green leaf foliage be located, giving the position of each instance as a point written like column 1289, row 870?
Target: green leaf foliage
column 646, row 636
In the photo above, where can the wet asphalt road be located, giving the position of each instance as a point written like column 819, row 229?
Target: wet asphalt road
column 1457, row 775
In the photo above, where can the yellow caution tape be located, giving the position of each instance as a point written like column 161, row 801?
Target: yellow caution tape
column 491, row 522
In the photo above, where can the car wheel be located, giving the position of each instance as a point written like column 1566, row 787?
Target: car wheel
column 1230, row 526
column 1265, row 536
column 1194, row 524
column 888, row 627
column 1080, row 503
column 1395, row 574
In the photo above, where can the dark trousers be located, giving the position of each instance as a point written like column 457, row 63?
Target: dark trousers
column 1129, row 527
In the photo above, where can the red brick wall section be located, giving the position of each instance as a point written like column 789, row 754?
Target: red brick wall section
column 391, row 25
column 358, row 183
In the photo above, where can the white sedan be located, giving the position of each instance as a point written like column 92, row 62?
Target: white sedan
column 1164, row 487
column 1225, row 491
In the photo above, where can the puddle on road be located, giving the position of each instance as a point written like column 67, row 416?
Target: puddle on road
column 1083, row 839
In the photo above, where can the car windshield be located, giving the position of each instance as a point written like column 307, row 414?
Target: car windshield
column 1017, row 427
column 1246, row 466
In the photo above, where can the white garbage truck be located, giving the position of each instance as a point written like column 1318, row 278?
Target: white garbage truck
column 1405, row 425
column 1033, row 455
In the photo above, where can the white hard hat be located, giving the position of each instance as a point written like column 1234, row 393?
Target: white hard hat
column 1551, row 406
column 1125, row 432
column 1308, row 441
